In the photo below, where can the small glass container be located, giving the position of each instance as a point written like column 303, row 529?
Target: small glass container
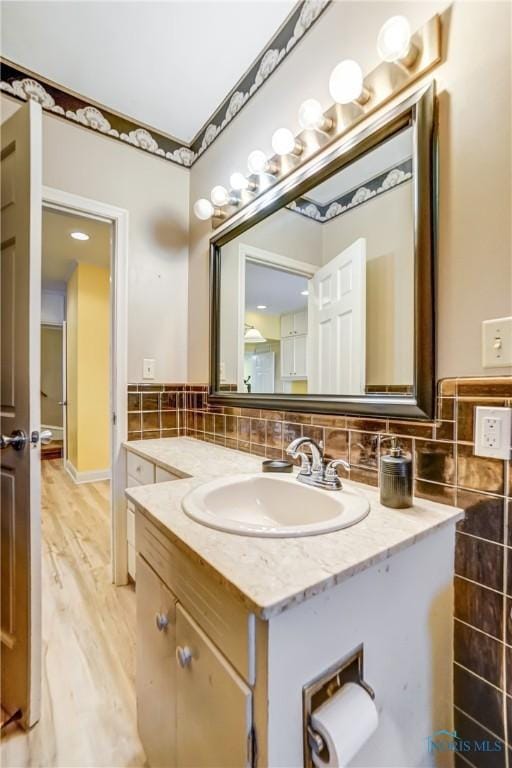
column 396, row 478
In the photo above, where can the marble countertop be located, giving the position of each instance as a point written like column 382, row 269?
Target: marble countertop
column 271, row 575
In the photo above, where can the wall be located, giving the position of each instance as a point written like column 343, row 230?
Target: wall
column 88, row 368
column 474, row 86
column 51, row 375
column 155, row 193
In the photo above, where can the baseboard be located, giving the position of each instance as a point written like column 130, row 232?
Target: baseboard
column 86, row 477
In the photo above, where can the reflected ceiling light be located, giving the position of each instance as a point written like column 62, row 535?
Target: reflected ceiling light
column 219, row 195
column 261, row 306
column 394, row 42
column 346, row 83
column 203, row 209
column 239, row 182
column 304, row 293
column 258, row 163
column 253, row 336
column 311, row 116
column 285, row 143
column 79, row 236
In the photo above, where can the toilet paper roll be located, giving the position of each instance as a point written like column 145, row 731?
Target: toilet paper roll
column 345, row 722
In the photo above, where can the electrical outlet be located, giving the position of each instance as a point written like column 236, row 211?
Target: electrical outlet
column 148, row 368
column 493, row 432
column 497, row 343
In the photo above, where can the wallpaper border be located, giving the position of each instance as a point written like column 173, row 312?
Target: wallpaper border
column 21, row 84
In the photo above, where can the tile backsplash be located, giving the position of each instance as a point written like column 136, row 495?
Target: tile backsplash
column 445, row 470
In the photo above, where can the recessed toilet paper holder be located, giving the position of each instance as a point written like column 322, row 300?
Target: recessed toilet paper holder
column 347, row 670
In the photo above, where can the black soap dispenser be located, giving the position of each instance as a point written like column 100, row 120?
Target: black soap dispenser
column 396, row 478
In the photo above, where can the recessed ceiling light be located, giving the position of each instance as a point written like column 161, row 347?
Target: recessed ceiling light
column 79, row 236
column 261, row 306
column 304, row 293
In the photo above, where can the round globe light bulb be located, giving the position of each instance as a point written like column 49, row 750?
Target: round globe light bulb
column 394, row 39
column 257, row 161
column 346, row 82
column 203, row 209
column 283, row 142
column 311, row 114
column 219, row 195
column 238, row 181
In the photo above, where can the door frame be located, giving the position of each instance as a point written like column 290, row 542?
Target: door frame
column 65, row 201
column 247, row 253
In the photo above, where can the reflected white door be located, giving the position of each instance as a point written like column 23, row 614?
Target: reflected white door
column 337, row 324
column 20, row 413
column 262, row 371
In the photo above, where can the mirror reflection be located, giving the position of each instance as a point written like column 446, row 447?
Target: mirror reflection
column 318, row 298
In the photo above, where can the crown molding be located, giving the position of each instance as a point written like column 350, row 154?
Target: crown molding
column 22, row 84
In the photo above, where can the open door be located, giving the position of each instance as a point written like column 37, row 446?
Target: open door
column 20, row 272
column 337, row 324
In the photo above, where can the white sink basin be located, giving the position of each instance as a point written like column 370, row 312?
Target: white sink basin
column 273, row 506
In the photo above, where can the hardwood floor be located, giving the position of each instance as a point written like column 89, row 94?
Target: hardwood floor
column 88, row 689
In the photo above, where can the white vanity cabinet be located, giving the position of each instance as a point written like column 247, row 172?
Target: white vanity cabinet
column 194, row 707
column 139, row 471
column 156, row 667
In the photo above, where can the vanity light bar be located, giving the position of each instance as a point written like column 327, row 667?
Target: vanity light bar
column 405, row 59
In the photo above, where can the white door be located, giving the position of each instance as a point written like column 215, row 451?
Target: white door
column 300, row 323
column 300, row 344
column 262, row 371
column 337, row 324
column 20, row 413
column 214, row 704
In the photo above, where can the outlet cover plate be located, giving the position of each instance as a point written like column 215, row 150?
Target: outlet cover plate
column 493, row 432
column 497, row 343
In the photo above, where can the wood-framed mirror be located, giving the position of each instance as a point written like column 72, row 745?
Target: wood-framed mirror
column 322, row 290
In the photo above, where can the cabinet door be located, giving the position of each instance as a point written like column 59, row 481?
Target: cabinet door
column 300, row 322
column 300, row 349
column 286, row 325
column 287, row 355
column 156, row 667
column 213, row 703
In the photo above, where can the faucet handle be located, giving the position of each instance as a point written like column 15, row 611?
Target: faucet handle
column 305, row 464
column 330, row 471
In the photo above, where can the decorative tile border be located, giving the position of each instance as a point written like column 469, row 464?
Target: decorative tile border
column 384, row 182
column 300, row 20
column 22, row 84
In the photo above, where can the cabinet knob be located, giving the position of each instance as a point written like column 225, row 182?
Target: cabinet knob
column 183, row 655
column 162, row 621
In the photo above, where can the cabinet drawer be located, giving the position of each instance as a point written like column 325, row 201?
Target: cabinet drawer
column 141, row 470
column 163, row 475
column 224, row 619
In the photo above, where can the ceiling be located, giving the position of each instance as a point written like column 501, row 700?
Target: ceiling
column 384, row 157
column 166, row 64
column 60, row 252
column 278, row 290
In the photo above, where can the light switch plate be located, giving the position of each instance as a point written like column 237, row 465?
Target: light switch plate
column 497, row 343
column 493, row 432
column 148, row 368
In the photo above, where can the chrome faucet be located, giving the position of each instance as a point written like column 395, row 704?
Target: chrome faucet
column 316, row 471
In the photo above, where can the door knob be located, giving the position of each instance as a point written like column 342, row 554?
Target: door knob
column 162, row 621
column 16, row 440
column 183, row 655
